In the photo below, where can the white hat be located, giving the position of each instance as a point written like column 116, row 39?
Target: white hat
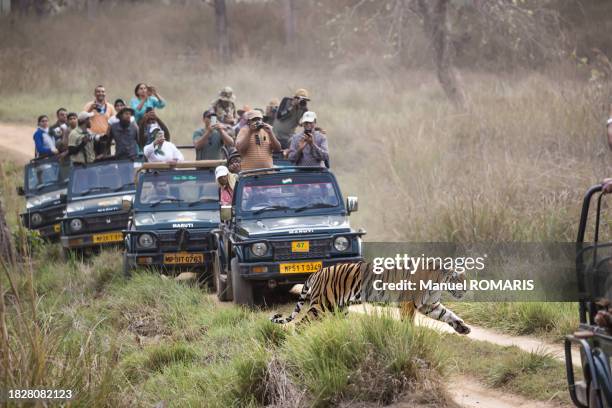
column 221, row 171
column 84, row 115
column 308, row 116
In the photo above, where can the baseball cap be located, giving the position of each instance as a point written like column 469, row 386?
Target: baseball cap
column 221, row 171
column 84, row 115
column 308, row 116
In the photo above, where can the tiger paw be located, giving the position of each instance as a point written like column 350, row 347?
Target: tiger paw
column 276, row 317
column 461, row 328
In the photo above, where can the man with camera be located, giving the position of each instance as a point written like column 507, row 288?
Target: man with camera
column 81, row 141
column 256, row 142
column 210, row 139
column 125, row 134
column 161, row 150
column 309, row 147
column 224, row 107
column 102, row 111
column 288, row 116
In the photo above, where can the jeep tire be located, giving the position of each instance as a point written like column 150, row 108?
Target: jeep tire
column 127, row 268
column 241, row 288
column 222, row 287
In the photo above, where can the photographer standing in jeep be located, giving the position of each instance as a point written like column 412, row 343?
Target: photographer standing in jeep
column 288, row 117
column 256, row 142
column 210, row 139
column 101, row 111
column 309, row 147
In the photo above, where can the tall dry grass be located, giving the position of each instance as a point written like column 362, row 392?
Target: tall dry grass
column 512, row 165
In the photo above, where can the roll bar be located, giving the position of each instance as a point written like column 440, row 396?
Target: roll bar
column 200, row 164
column 287, row 169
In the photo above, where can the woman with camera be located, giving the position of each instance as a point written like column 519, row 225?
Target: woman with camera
column 146, row 99
column 256, row 142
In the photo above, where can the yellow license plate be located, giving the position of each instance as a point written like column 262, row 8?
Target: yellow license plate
column 300, row 246
column 57, row 227
column 108, row 237
column 300, row 267
column 183, row 258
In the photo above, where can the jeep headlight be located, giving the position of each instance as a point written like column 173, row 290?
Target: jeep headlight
column 76, row 224
column 36, row 219
column 341, row 244
column 259, row 248
column 146, row 241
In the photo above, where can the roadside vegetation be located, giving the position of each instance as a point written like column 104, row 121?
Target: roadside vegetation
column 550, row 320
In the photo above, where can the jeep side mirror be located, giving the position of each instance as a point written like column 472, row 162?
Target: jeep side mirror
column 126, row 204
column 20, row 191
column 352, row 204
column 226, row 212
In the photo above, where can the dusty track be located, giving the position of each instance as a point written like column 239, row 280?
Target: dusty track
column 16, row 142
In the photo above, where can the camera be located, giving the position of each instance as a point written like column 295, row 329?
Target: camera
column 98, row 109
column 258, row 125
column 213, row 120
column 303, row 102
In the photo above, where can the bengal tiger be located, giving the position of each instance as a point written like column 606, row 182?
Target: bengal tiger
column 339, row 286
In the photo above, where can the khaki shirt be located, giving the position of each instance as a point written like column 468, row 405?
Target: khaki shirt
column 87, row 154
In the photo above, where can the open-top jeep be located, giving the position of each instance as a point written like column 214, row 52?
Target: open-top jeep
column 44, row 188
column 175, row 209
column 284, row 224
column 96, row 210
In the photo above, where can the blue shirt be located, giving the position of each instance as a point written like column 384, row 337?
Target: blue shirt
column 42, row 142
column 151, row 102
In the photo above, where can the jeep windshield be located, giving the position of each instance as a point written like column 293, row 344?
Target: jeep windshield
column 45, row 176
column 172, row 189
column 294, row 194
column 107, row 178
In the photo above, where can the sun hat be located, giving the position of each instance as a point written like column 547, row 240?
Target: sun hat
column 253, row 114
column 301, row 93
column 84, row 115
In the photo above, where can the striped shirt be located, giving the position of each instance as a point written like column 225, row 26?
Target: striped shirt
column 257, row 156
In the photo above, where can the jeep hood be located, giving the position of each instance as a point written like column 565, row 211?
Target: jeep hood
column 295, row 225
column 100, row 204
column 45, row 200
column 177, row 219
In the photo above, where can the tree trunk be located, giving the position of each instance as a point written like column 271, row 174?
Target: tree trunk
column 92, row 9
column 5, row 7
column 289, row 18
column 434, row 13
column 24, row 7
column 7, row 252
column 221, row 25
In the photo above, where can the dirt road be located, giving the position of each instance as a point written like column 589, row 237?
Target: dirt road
column 16, row 142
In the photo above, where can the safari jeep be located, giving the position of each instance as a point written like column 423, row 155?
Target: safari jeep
column 175, row 209
column 284, row 224
column 96, row 213
column 44, row 188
